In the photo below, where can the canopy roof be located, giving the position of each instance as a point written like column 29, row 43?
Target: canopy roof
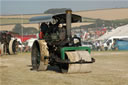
column 39, row 19
column 59, row 17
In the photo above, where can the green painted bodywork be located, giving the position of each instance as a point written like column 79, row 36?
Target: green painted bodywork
column 65, row 49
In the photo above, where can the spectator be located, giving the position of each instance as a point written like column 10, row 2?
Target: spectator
column 27, row 48
column 105, row 47
column 43, row 30
column 114, row 46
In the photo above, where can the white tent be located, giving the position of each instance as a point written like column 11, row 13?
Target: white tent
column 119, row 31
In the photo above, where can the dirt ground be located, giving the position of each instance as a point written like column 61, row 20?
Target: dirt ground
column 110, row 68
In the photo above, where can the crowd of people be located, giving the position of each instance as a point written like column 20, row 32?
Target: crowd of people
column 102, row 46
column 23, row 47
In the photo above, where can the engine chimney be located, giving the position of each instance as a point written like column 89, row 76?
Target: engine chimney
column 68, row 23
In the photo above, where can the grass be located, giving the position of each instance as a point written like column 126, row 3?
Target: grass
column 113, row 15
column 107, row 23
column 110, row 68
column 13, row 21
column 85, row 19
column 105, row 14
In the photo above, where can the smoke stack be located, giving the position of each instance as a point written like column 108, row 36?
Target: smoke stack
column 68, row 23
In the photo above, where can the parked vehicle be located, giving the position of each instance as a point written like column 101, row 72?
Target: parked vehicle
column 109, row 42
column 122, row 44
column 8, row 43
column 87, row 44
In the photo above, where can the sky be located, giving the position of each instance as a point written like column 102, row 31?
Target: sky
column 8, row 7
column 63, row 0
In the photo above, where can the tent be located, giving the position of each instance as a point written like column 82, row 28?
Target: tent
column 119, row 31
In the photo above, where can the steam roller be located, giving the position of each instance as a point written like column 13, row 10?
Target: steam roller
column 8, row 44
column 57, row 47
column 9, row 48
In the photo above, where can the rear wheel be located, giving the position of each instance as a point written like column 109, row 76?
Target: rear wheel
column 38, row 60
column 64, row 66
column 35, row 57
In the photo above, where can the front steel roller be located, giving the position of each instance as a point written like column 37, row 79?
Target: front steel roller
column 39, row 54
column 13, row 46
column 75, row 56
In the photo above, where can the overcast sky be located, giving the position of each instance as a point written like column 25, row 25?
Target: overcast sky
column 39, row 6
column 63, row 0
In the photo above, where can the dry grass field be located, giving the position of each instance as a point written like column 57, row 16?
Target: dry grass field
column 10, row 27
column 22, row 16
column 105, row 14
column 110, row 68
